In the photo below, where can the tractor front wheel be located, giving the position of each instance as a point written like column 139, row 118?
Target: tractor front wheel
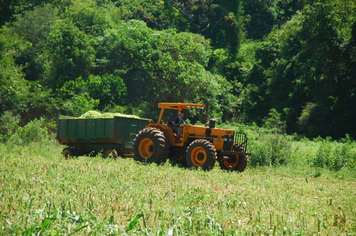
column 233, row 162
column 201, row 153
column 150, row 146
column 242, row 164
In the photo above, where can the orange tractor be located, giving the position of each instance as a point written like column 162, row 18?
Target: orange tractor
column 199, row 146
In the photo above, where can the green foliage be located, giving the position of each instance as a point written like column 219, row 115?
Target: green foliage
column 296, row 65
column 51, row 195
column 37, row 103
column 219, row 21
column 233, row 100
column 270, row 150
column 27, row 98
column 108, row 89
column 12, row 85
column 74, row 98
column 254, row 86
column 305, row 116
column 334, row 156
column 9, row 10
column 159, row 65
column 137, row 53
column 72, row 53
column 262, row 16
column 33, row 131
column 89, row 17
column 33, row 27
column 274, row 122
column 9, row 123
column 78, row 104
column 95, row 92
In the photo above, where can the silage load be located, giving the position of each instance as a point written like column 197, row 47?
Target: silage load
column 111, row 115
column 90, row 115
column 98, row 115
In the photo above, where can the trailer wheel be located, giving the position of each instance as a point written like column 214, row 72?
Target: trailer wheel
column 150, row 146
column 201, row 153
column 68, row 152
column 178, row 160
column 110, row 153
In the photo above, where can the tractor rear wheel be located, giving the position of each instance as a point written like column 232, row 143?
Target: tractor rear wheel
column 201, row 153
column 150, row 146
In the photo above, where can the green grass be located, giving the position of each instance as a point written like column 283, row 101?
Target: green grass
column 42, row 192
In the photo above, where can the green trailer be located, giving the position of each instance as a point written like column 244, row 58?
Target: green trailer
column 111, row 136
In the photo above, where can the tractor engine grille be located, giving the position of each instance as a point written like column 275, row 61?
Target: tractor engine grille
column 228, row 142
column 240, row 142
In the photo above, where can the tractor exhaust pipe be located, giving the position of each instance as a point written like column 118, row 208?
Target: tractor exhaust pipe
column 209, row 122
column 207, row 111
column 212, row 123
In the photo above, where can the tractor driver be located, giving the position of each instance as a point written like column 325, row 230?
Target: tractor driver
column 176, row 126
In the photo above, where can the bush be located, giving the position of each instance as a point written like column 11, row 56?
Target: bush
column 79, row 104
column 334, row 156
column 274, row 122
column 34, row 131
column 9, row 123
column 269, row 150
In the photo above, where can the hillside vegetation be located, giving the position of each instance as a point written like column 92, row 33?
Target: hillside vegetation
column 292, row 57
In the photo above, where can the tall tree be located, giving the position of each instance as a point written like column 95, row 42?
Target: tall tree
column 9, row 10
column 12, row 84
column 262, row 16
column 307, row 69
column 158, row 65
column 72, row 53
column 33, row 27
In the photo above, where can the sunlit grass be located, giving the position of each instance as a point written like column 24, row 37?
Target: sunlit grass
column 40, row 191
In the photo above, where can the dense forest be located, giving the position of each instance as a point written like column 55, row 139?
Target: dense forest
column 289, row 61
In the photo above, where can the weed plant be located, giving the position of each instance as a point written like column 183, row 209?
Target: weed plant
column 41, row 193
column 273, row 148
column 9, row 123
column 334, row 156
column 33, row 131
column 269, row 150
